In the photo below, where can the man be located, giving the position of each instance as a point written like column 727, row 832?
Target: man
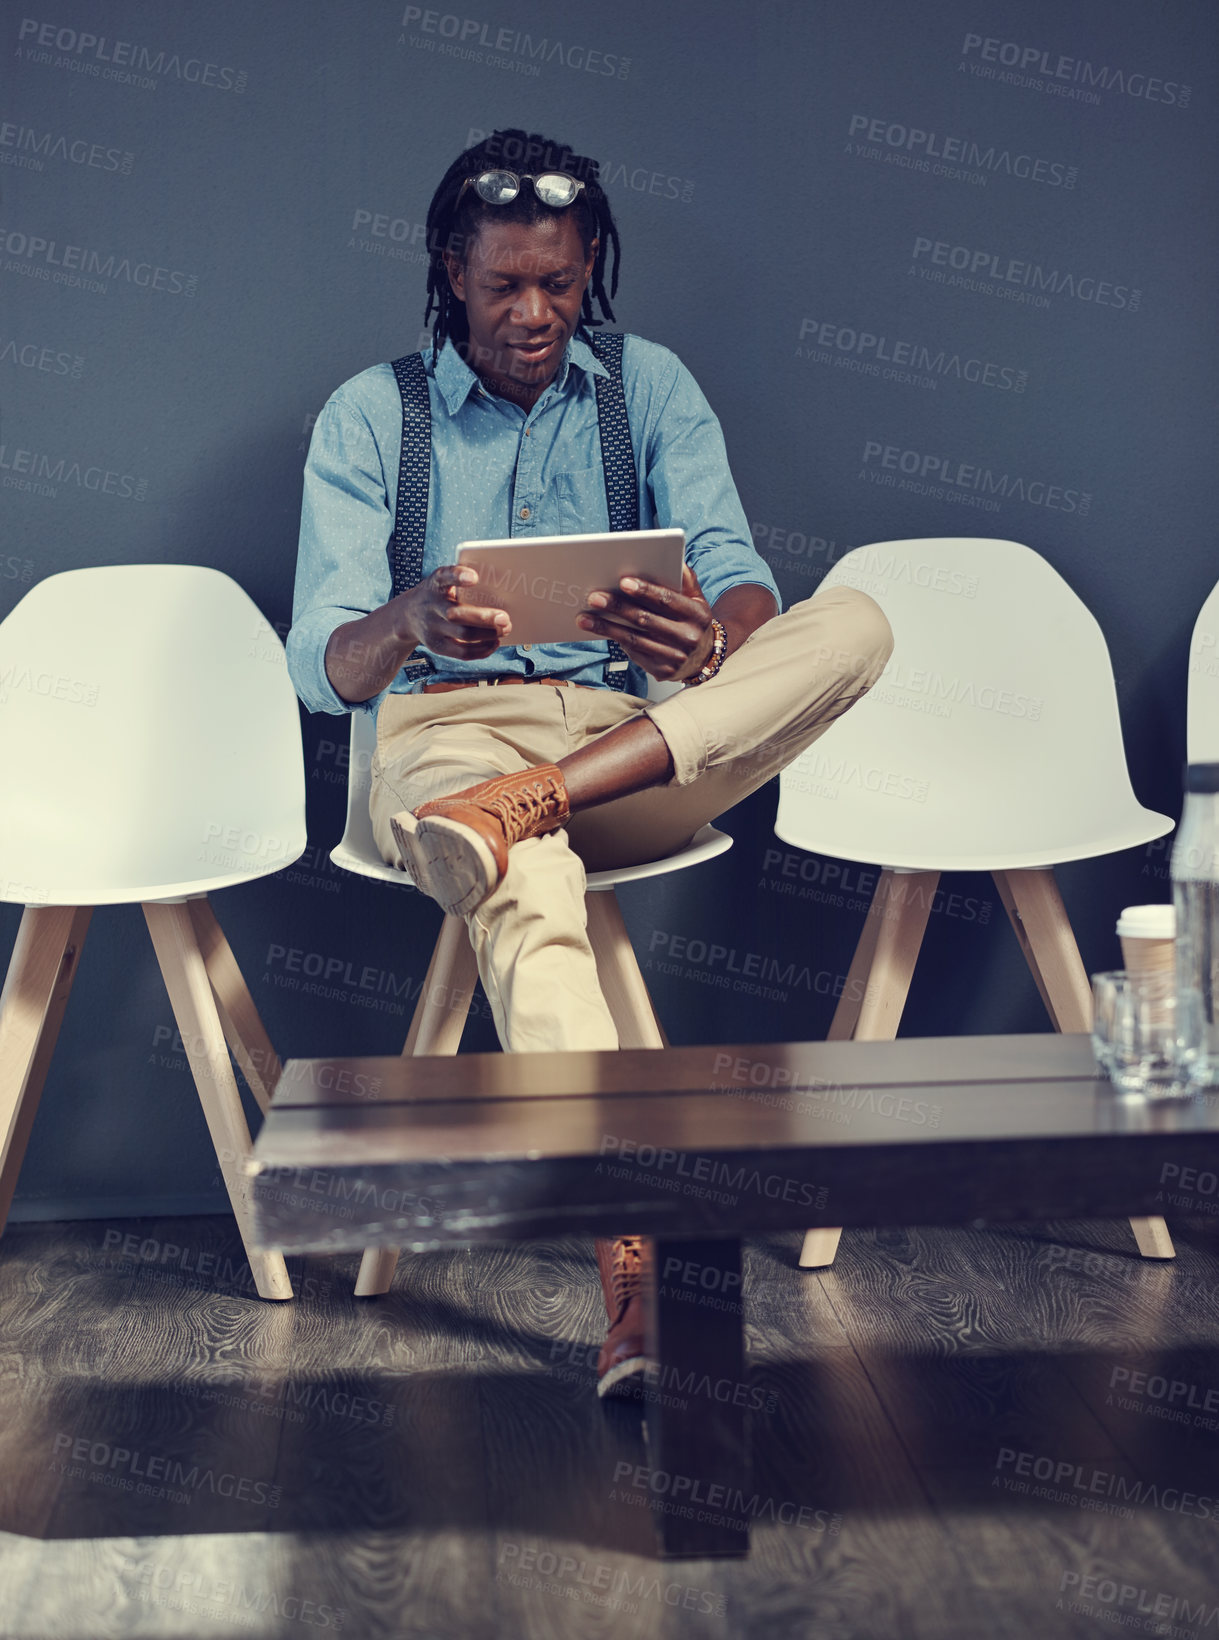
column 496, row 799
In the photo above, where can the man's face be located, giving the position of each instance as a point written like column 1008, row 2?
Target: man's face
column 522, row 285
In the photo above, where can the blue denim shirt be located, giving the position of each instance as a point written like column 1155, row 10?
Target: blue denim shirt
column 498, row 471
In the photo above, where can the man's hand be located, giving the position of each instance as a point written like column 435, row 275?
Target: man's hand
column 668, row 633
column 430, row 615
column 364, row 656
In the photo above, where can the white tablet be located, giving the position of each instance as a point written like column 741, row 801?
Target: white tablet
column 543, row 581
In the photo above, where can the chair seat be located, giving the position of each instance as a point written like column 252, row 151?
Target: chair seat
column 914, row 854
column 150, row 738
column 992, row 740
column 362, row 866
column 88, row 889
column 704, row 845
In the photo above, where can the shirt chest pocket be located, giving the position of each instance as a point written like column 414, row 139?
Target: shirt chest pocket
column 579, row 501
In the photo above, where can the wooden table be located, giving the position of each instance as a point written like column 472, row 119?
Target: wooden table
column 699, row 1147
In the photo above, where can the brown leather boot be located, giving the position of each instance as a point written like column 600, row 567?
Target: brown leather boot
column 625, row 1266
column 456, row 848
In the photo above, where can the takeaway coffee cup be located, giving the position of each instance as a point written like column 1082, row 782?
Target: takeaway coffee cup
column 1148, row 935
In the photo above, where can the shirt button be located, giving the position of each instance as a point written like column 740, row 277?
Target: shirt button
column 524, row 513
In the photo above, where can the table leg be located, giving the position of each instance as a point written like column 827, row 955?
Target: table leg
column 695, row 1399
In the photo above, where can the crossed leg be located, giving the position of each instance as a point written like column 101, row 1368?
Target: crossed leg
column 637, row 780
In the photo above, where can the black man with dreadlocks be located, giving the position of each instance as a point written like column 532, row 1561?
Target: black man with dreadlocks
column 525, row 418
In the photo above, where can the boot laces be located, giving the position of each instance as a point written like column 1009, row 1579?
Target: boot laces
column 627, row 1270
column 521, row 809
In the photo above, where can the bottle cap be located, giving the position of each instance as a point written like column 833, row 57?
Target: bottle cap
column 1148, row 922
column 1202, row 777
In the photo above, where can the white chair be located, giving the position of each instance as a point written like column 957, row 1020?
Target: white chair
column 991, row 743
column 1202, row 700
column 440, row 1014
column 150, row 739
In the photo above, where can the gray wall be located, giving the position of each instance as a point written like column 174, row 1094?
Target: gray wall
column 274, row 162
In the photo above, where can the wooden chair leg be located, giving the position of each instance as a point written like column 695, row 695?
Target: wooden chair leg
column 190, row 993
column 243, row 1027
column 618, row 971
column 440, row 1014
column 1039, row 918
column 43, row 965
column 664, row 1035
column 903, row 922
column 1152, row 1238
column 436, row 1027
column 875, row 992
column 819, row 1248
column 846, row 1013
column 376, row 1272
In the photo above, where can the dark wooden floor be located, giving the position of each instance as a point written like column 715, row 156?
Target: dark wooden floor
column 434, row 1465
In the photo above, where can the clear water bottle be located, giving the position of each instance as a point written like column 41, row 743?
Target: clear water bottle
column 1195, row 890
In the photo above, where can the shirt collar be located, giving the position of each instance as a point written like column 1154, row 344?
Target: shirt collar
column 457, row 381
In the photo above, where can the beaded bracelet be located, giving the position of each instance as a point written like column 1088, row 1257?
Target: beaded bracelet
column 718, row 650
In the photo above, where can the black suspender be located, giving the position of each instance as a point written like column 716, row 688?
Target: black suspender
column 414, row 477
column 618, row 464
column 414, row 472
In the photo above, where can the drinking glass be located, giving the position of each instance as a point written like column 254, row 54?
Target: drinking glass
column 1139, row 1034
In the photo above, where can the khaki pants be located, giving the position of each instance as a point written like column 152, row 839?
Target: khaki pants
column 771, row 698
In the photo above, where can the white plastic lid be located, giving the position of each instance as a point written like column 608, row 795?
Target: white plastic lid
column 1148, row 922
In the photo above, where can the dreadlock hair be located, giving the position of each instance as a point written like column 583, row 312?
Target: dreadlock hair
column 452, row 226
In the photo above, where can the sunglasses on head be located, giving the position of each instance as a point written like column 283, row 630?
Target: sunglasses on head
column 554, row 188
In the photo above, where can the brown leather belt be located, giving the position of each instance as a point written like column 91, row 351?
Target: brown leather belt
column 489, row 683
